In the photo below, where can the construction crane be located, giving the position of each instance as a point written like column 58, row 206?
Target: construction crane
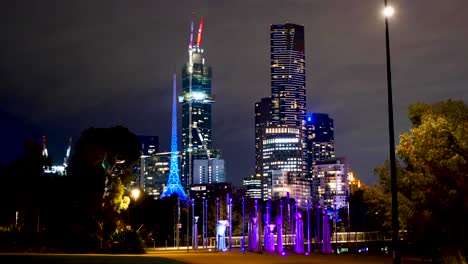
column 204, row 146
column 66, row 160
column 45, row 154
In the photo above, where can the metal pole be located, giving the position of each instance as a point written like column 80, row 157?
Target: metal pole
column 243, row 223
column 178, row 222
column 282, row 220
column 336, row 223
column 193, row 224
column 308, row 227
column 187, row 237
column 230, row 221
column 217, row 220
column 206, row 224
column 204, row 219
column 395, row 224
column 318, row 227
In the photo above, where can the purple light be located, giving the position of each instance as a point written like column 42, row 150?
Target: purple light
column 307, row 254
column 283, row 254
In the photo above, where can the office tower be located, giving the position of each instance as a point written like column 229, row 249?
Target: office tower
column 320, row 144
column 207, row 171
column 149, row 144
column 330, row 183
column 155, row 173
column 253, row 187
column 196, row 107
column 288, row 82
column 210, row 191
column 288, row 90
column 282, row 152
column 263, row 118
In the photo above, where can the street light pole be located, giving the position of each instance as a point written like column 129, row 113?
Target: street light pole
column 243, row 224
column 388, row 12
column 204, row 220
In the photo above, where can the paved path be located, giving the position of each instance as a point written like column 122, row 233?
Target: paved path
column 254, row 258
column 196, row 258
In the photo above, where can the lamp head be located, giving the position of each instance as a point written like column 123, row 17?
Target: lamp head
column 388, row 11
column 135, row 193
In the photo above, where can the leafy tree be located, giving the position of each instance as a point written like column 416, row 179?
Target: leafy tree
column 103, row 160
column 433, row 184
column 436, row 153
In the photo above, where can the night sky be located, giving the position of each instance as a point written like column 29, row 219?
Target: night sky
column 69, row 65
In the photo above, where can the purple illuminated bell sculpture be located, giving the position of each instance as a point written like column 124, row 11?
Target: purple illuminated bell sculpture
column 253, row 229
column 271, row 238
column 326, row 246
column 279, row 233
column 299, row 234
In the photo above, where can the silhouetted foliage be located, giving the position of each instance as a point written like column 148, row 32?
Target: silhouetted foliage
column 432, row 183
column 103, row 158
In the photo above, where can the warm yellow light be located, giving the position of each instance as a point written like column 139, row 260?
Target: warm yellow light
column 135, row 193
column 388, row 11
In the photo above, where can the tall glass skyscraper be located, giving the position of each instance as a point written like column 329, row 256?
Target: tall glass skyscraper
column 196, row 107
column 288, row 89
column 288, row 82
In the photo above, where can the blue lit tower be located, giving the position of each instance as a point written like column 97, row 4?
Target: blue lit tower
column 173, row 183
column 196, row 108
column 319, row 138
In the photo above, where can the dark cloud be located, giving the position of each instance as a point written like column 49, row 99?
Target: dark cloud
column 68, row 65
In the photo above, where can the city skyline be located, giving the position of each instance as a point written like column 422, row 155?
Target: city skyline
column 66, row 68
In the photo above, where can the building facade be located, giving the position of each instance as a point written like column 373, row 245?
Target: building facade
column 207, row 171
column 320, row 140
column 330, row 183
column 253, row 187
column 149, row 144
column 196, row 107
column 263, row 119
column 282, row 151
column 288, row 82
column 154, row 173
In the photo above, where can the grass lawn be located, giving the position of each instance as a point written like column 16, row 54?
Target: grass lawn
column 91, row 259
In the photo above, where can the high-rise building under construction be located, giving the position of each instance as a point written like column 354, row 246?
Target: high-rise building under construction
column 196, row 103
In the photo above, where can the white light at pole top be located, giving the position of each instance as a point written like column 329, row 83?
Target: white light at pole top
column 388, row 11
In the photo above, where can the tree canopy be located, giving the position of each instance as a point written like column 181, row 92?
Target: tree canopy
column 101, row 169
column 433, row 178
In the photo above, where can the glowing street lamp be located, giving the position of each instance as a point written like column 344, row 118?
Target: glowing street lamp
column 135, row 194
column 388, row 12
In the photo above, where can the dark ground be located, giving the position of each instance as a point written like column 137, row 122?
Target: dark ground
column 197, row 258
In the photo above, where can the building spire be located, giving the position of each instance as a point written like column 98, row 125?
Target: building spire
column 173, row 183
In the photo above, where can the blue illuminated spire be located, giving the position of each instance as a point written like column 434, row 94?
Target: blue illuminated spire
column 173, row 183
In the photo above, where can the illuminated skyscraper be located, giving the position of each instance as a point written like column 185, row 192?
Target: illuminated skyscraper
column 330, row 183
column 288, row 82
column 319, row 139
column 196, row 107
column 288, row 88
column 262, row 120
column 282, row 155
